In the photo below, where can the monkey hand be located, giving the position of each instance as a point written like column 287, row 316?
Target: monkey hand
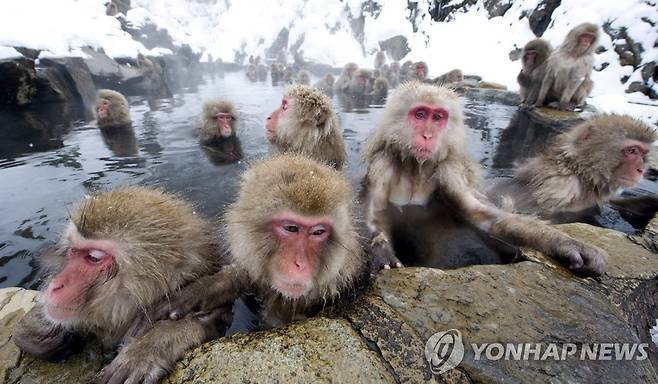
column 382, row 253
column 583, row 259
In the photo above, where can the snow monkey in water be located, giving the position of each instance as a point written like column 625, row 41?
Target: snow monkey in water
column 305, row 123
column 111, row 109
column 417, row 157
column 123, row 252
column 581, row 168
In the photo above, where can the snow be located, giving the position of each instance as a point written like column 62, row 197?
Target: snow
column 469, row 41
column 9, row 53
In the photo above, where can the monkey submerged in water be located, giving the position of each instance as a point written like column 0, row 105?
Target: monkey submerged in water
column 581, row 168
column 111, row 109
column 123, row 252
column 417, row 157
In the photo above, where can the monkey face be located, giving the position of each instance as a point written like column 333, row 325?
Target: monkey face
column 103, row 109
column 224, row 124
column 420, row 71
column 300, row 242
column 631, row 169
column 427, row 121
column 585, row 40
column 85, row 262
column 529, row 58
column 272, row 120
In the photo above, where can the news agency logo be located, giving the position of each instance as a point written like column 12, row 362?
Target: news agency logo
column 444, row 351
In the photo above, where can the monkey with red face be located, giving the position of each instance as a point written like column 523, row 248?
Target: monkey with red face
column 582, row 168
column 417, row 157
column 219, row 121
column 112, row 109
column 306, row 123
column 123, row 252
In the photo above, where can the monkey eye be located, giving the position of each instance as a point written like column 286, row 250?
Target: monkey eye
column 95, row 255
column 291, row 228
column 634, row 150
column 284, row 105
column 437, row 117
column 420, row 115
column 318, row 231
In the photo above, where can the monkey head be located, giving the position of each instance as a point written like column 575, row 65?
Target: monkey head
column 329, row 79
column 222, row 116
column 395, row 67
column 582, row 39
column 420, row 71
column 301, row 106
column 535, row 52
column 349, row 69
column 122, row 251
column 608, row 149
column 423, row 121
column 291, row 228
column 111, row 109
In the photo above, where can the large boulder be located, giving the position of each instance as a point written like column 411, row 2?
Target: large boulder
column 383, row 335
column 70, row 79
column 395, row 47
column 17, row 81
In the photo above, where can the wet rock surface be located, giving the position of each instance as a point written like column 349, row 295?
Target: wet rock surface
column 382, row 336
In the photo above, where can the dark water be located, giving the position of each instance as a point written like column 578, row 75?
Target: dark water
column 45, row 174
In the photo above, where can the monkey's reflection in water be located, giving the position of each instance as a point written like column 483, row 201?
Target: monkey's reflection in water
column 121, row 140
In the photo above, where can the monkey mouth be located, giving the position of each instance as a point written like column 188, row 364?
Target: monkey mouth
column 61, row 313
column 291, row 290
column 421, row 153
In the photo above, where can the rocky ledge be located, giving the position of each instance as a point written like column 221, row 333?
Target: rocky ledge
column 382, row 337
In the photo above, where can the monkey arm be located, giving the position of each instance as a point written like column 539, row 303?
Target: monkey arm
column 39, row 337
column 520, row 230
column 546, row 85
column 150, row 357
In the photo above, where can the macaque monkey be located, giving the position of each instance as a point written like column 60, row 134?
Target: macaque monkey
column 394, row 75
column 451, row 77
column 419, row 71
column 123, row 252
column 379, row 91
column 326, row 84
column 276, row 71
column 406, row 71
column 111, row 109
column 583, row 167
column 417, row 156
column 568, row 69
column 219, row 121
column 293, row 241
column 261, row 69
column 250, row 72
column 303, row 78
column 533, row 61
column 305, row 123
column 380, row 59
column 345, row 78
column 360, row 84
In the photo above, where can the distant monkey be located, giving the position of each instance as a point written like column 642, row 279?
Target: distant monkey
column 326, row 84
column 419, row 71
column 417, row 156
column 111, row 109
column 360, row 84
column 568, row 69
column 219, row 120
column 303, row 78
column 394, row 75
column 305, row 123
column 379, row 91
column 380, row 59
column 581, row 168
column 123, row 252
column 345, row 77
column 533, row 61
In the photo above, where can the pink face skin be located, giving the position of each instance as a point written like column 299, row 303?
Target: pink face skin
column 529, row 58
column 427, row 121
column 273, row 119
column 300, row 240
column 103, row 108
column 585, row 40
column 631, row 170
column 224, row 121
column 85, row 262
column 420, row 71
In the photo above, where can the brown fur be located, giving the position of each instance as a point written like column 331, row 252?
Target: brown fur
column 345, row 77
column 207, row 125
column 380, row 59
column 303, row 77
column 568, row 69
column 312, row 129
column 379, row 90
column 162, row 246
column 576, row 171
column 412, row 71
column 119, row 113
column 531, row 75
column 395, row 177
column 326, row 84
column 360, row 82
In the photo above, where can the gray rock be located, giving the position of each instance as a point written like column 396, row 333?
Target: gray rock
column 395, row 47
column 18, row 84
